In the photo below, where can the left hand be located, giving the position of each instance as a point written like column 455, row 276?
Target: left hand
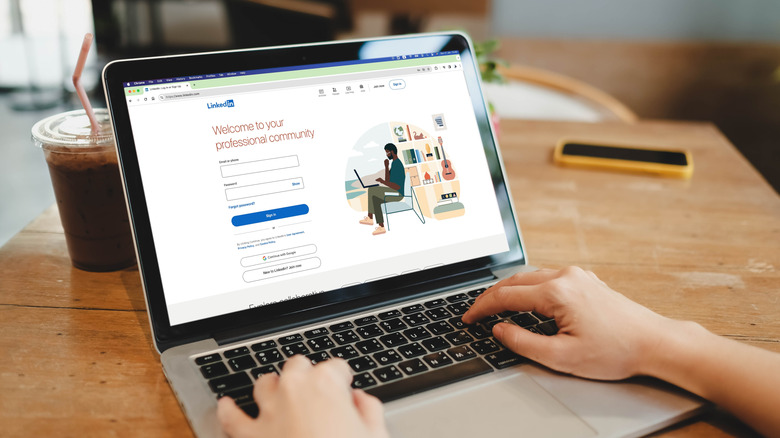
column 307, row 401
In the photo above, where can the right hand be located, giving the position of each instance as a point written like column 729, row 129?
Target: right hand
column 602, row 334
column 387, row 163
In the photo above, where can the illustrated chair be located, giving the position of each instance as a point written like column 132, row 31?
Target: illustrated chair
column 406, row 203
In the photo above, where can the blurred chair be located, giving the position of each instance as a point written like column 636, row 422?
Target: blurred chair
column 537, row 93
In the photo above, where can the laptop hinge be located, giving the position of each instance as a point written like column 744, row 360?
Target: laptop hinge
column 333, row 311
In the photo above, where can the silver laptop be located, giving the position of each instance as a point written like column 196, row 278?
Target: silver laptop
column 239, row 169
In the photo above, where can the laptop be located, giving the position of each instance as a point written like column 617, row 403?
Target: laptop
column 360, row 180
column 238, row 173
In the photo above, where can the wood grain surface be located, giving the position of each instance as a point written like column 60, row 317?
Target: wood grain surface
column 78, row 353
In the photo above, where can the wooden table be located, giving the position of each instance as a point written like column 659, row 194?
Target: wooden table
column 77, row 354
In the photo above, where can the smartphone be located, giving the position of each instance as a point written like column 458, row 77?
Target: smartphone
column 665, row 162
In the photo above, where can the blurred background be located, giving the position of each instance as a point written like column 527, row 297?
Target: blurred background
column 600, row 60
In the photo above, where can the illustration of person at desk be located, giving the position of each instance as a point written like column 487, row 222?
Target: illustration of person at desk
column 393, row 182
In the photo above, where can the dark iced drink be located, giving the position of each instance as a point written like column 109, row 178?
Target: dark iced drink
column 88, row 188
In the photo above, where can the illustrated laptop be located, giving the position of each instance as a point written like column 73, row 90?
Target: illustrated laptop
column 360, row 180
column 239, row 169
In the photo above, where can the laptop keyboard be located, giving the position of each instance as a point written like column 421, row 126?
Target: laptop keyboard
column 392, row 353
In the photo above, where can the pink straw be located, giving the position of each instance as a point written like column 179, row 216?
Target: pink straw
column 80, row 88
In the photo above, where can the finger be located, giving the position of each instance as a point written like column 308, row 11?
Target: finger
column 234, row 421
column 539, row 348
column 265, row 387
column 296, row 364
column 515, row 298
column 338, row 367
column 370, row 409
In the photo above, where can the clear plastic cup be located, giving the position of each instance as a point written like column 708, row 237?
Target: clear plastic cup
column 85, row 175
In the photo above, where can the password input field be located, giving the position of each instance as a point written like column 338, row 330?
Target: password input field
column 259, row 166
column 268, row 188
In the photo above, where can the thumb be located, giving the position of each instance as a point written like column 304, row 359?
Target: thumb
column 536, row 347
column 370, row 409
column 233, row 420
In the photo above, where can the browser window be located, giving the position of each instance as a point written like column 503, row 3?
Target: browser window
column 259, row 182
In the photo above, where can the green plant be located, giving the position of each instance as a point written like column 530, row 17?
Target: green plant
column 487, row 63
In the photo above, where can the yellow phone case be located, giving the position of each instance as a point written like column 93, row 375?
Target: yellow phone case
column 669, row 170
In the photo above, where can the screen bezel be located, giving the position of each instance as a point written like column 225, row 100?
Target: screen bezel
column 117, row 73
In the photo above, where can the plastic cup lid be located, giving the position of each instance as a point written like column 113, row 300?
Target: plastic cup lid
column 71, row 131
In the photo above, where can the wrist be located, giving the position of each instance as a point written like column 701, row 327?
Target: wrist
column 673, row 349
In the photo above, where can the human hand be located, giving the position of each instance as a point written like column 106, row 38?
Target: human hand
column 602, row 334
column 306, row 401
column 387, row 163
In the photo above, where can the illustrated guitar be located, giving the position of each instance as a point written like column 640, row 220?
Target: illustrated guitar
column 447, row 172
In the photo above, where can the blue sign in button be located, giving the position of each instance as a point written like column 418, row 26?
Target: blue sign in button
column 269, row 215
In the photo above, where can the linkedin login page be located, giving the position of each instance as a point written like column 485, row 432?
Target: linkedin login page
column 267, row 186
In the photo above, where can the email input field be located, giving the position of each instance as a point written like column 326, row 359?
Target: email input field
column 268, row 188
column 258, row 166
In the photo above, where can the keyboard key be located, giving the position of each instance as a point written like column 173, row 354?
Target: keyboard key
column 230, row 382
column 270, row 356
column 316, row 358
column 214, row 370
column 235, row 352
column 479, row 332
column 346, row 337
column 457, row 297
column 394, row 340
column 549, row 328
column 203, row 360
column 384, row 316
column 438, row 328
column 240, row 396
column 503, row 359
column 413, row 366
column 316, row 333
column 458, row 338
column 476, row 293
column 524, row 320
column 250, row 409
column 292, row 350
column 345, row 352
column 290, row 339
column 484, row 347
column 366, row 320
column 392, row 325
column 435, row 303
column 457, row 323
column 507, row 314
column 417, row 333
column 438, row 313
column 458, row 308
column 241, row 363
column 488, row 319
column 361, row 364
column 387, row 374
column 267, row 369
column 534, row 330
column 541, row 317
column 435, row 344
column 369, row 331
column 387, row 357
column 432, row 379
column 363, row 380
column 412, row 309
column 490, row 324
column 411, row 350
column 321, row 343
column 265, row 345
column 416, row 319
column 368, row 346
column 437, row 360
column 461, row 353
column 340, row 327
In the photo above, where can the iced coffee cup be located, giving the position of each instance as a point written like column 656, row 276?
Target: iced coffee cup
column 85, row 176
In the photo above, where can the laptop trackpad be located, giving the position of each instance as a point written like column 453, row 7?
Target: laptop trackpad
column 515, row 405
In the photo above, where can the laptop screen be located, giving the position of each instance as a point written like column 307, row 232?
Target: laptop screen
column 250, row 177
